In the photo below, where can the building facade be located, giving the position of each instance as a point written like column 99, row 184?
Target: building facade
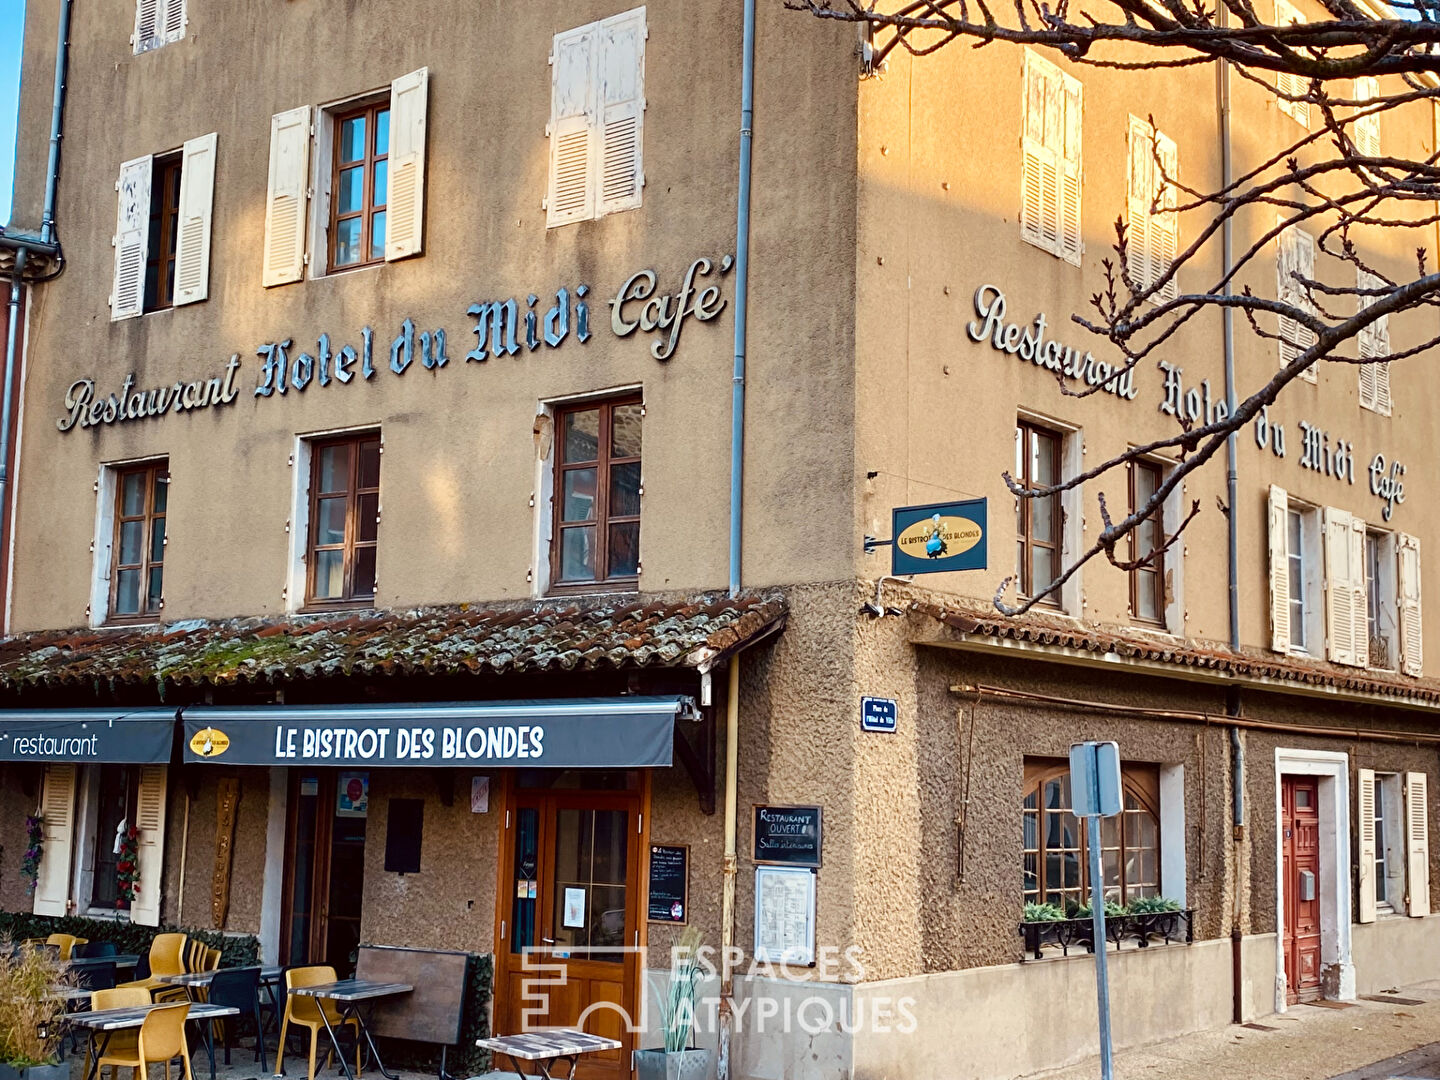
column 372, row 502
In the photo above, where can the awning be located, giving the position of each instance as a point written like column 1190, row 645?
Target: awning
column 576, row 733
column 139, row 737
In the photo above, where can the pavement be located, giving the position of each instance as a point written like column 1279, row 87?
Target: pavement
column 1394, row 1038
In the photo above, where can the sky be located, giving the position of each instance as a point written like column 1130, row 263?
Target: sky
column 12, row 33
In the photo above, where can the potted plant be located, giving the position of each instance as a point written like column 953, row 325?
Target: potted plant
column 677, row 1060
column 30, row 1028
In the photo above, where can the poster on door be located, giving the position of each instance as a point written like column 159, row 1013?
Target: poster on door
column 574, row 908
column 352, row 794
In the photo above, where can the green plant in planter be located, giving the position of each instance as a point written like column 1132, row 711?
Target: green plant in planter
column 30, row 1027
column 1043, row 913
column 677, row 1019
column 1112, row 910
column 1152, row 905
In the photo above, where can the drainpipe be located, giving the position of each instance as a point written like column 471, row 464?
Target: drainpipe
column 727, row 900
column 6, row 404
column 742, row 296
column 57, row 109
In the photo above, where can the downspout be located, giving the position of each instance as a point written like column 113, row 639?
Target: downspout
column 742, row 296
column 57, row 109
column 727, row 899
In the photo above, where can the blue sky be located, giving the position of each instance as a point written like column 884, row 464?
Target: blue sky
column 12, row 32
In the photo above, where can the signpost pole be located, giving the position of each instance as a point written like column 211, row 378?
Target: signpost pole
column 1097, row 915
column 1095, row 793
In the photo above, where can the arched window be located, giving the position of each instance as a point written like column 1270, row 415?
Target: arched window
column 1056, row 861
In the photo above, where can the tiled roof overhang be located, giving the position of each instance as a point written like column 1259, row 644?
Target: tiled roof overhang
column 961, row 625
column 570, row 635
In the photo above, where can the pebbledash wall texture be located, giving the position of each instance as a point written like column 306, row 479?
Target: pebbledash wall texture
column 888, row 268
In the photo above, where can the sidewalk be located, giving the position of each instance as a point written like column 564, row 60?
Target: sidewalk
column 1307, row 1043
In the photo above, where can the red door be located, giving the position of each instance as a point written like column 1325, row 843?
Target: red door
column 1300, row 820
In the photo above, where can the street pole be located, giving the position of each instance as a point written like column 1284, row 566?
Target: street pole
column 1097, row 915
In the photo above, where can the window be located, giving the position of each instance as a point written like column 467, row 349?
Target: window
column 1366, row 131
column 1380, row 595
column 1050, row 177
column 114, row 789
column 1147, row 582
column 1295, row 547
column 597, row 494
column 344, row 520
column 1393, row 859
column 1286, row 83
column 368, row 183
column 1056, row 860
column 1296, row 615
column 1295, row 259
column 1372, row 343
column 1038, row 522
column 597, row 112
column 1153, row 236
column 158, row 22
column 362, row 152
column 137, row 571
column 162, row 230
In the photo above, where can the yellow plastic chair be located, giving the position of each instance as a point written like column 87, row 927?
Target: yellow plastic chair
column 67, row 942
column 306, row 1012
column 167, row 956
column 119, row 997
column 161, row 1038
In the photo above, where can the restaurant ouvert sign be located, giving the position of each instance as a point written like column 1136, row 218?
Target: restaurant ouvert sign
column 502, row 328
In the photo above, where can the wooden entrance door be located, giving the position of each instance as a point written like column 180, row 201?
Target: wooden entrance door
column 324, row 868
column 1300, row 824
column 569, row 901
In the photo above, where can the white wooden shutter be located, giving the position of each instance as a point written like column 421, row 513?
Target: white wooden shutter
column 150, row 847
column 1359, row 597
column 285, row 197
column 1372, row 342
column 1365, row 132
column 621, row 98
column 172, row 27
column 1412, row 644
column 147, row 24
column 1165, row 226
column 1295, row 254
column 1140, row 195
column 1365, row 808
column 1040, row 173
column 1286, row 83
column 1417, row 843
column 1072, row 241
column 1340, row 572
column 132, row 236
column 572, row 109
column 405, row 206
column 57, row 811
column 1279, row 571
column 197, row 198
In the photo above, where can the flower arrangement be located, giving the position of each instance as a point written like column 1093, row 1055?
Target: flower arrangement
column 34, row 849
column 127, row 868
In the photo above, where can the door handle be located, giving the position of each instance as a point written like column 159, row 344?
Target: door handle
column 548, row 940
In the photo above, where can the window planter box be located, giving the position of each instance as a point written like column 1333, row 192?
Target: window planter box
column 1163, row 928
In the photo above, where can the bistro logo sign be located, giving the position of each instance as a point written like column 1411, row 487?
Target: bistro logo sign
column 502, row 328
column 209, row 742
column 937, row 537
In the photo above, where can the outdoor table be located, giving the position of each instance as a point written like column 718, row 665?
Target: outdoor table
column 103, row 1022
column 191, row 980
column 123, row 960
column 542, row 1048
column 349, row 994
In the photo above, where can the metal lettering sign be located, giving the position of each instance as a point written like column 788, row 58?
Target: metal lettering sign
column 878, row 714
column 939, row 537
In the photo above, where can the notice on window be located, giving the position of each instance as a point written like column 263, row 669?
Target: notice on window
column 574, row 907
column 784, row 915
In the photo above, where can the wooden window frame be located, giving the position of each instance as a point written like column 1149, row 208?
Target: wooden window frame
column 602, row 519
column 164, row 186
column 1155, row 569
column 153, row 472
column 351, row 544
column 1138, row 779
column 369, row 110
column 1025, row 515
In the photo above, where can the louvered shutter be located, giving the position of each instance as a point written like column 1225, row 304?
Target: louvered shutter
column 1040, row 179
column 1279, row 571
column 1366, row 130
column 173, row 26
column 1359, row 599
column 572, row 109
column 1365, row 808
column 1372, row 342
column 1072, row 242
column 405, row 208
column 57, row 812
column 1417, row 843
column 197, row 197
column 150, row 846
column 147, row 24
column 1295, row 256
column 1340, row 613
column 132, row 234
column 1165, row 226
column 1287, row 83
column 621, row 97
column 1412, row 644
column 1140, row 194
column 285, row 197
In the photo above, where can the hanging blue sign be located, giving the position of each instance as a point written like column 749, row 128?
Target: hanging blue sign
column 878, row 714
column 939, row 537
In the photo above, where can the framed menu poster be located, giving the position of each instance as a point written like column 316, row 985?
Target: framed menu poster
column 668, row 898
column 784, row 915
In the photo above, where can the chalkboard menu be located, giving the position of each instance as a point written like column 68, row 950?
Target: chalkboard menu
column 787, row 835
column 669, row 883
